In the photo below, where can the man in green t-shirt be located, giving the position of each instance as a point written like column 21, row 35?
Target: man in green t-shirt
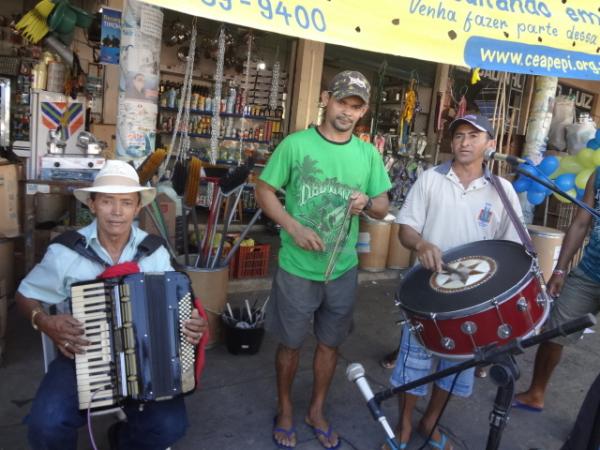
column 330, row 177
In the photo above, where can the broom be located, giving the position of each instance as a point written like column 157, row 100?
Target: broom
column 33, row 25
column 189, row 202
column 145, row 172
column 150, row 166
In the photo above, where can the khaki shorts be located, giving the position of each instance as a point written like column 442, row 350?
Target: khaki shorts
column 580, row 295
column 296, row 301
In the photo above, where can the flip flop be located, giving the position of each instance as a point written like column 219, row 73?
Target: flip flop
column 441, row 444
column 400, row 446
column 289, row 432
column 327, row 434
column 525, row 407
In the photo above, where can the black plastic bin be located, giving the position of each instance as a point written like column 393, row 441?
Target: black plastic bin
column 242, row 341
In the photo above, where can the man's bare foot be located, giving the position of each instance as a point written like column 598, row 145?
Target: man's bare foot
column 284, row 433
column 323, row 431
column 529, row 400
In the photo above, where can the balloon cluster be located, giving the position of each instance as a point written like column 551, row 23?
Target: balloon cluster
column 569, row 173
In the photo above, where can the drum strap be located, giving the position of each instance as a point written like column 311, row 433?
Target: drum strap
column 514, row 218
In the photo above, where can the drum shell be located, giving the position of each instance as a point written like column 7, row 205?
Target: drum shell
column 373, row 241
column 398, row 256
column 547, row 242
column 507, row 311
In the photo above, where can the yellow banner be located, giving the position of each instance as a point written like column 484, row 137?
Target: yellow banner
column 544, row 37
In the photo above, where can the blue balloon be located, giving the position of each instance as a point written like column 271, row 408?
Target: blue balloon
column 535, row 198
column 549, row 165
column 580, row 193
column 528, row 168
column 534, row 186
column 566, row 181
column 521, row 184
column 594, row 144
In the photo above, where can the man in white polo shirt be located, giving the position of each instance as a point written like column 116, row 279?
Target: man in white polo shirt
column 449, row 205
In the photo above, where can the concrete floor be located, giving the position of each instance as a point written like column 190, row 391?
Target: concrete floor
column 235, row 404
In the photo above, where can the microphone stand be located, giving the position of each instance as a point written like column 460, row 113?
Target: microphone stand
column 553, row 188
column 504, row 373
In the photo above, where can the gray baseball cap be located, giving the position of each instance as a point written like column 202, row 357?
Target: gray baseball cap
column 350, row 83
column 476, row 120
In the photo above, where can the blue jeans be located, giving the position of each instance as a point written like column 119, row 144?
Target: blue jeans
column 55, row 416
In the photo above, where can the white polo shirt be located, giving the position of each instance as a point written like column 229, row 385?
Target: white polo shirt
column 448, row 215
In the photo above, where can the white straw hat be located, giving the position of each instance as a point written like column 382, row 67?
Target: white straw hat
column 116, row 177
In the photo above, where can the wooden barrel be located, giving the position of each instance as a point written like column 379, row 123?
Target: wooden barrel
column 373, row 242
column 210, row 286
column 398, row 255
column 547, row 242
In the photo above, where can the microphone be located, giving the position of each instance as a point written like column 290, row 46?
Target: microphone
column 490, row 154
column 356, row 374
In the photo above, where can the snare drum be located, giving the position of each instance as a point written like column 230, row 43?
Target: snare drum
column 503, row 297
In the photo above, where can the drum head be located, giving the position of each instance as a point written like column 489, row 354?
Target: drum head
column 488, row 269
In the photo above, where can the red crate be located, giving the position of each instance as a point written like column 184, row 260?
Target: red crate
column 253, row 261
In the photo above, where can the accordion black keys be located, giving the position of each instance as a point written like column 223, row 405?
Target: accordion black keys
column 138, row 349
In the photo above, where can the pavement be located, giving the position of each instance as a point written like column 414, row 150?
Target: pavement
column 234, row 406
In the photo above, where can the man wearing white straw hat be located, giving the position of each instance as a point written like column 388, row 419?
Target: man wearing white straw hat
column 115, row 198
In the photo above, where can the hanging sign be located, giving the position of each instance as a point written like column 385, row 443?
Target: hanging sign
column 542, row 37
column 110, row 36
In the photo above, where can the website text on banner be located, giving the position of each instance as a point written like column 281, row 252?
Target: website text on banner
column 437, row 30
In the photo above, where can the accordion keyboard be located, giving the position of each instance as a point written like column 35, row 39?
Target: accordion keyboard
column 96, row 382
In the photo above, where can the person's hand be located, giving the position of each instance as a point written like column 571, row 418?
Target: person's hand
column 359, row 201
column 555, row 285
column 195, row 327
column 306, row 238
column 66, row 332
column 429, row 255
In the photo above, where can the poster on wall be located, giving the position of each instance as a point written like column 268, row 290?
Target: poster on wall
column 138, row 82
column 137, row 128
column 110, row 36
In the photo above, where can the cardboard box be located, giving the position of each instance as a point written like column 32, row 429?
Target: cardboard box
column 9, row 201
column 168, row 209
column 7, row 266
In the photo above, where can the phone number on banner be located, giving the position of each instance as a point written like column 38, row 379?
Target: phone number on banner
column 305, row 18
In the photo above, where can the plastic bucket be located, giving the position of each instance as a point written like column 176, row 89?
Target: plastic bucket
column 547, row 242
column 241, row 341
column 210, row 286
column 373, row 242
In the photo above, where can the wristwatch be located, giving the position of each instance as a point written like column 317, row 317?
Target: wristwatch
column 368, row 205
column 559, row 272
column 35, row 312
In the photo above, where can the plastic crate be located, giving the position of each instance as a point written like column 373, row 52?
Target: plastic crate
column 253, row 261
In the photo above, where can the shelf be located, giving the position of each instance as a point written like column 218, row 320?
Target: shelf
column 209, row 113
column 207, row 136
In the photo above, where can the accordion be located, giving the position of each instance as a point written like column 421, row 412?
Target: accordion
column 137, row 347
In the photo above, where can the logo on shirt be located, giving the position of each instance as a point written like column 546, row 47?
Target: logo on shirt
column 485, row 215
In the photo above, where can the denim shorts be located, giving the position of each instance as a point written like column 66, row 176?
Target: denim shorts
column 415, row 362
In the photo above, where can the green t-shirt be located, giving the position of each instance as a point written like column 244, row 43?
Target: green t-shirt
column 319, row 176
